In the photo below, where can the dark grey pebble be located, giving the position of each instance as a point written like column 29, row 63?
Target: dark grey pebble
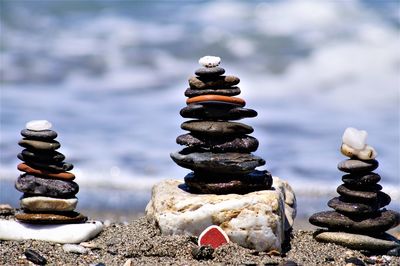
column 355, row 261
column 340, row 205
column 358, row 166
column 210, row 71
column 231, row 91
column 214, row 82
column 394, row 252
column 54, row 167
column 370, row 193
column 216, row 128
column 50, row 145
column 39, row 135
column 41, row 157
column 213, row 110
column 33, row 185
column 203, row 253
column 361, row 180
column 35, row 257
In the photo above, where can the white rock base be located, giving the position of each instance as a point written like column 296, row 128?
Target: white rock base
column 64, row 233
column 256, row 220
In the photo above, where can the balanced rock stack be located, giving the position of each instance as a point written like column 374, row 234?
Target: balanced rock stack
column 49, row 190
column 218, row 150
column 358, row 220
column 224, row 188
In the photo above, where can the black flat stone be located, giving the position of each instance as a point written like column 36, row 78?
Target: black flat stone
column 206, row 183
column 231, row 91
column 213, row 82
column 242, row 144
column 368, row 193
column 52, row 167
column 225, row 163
column 43, row 135
column 30, row 144
column 340, row 205
column 377, row 223
column 213, row 110
column 358, row 166
column 33, row 185
column 361, row 179
column 41, row 157
column 216, row 128
column 210, row 71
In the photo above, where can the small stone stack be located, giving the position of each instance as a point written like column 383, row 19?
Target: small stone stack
column 358, row 209
column 49, row 190
column 218, row 150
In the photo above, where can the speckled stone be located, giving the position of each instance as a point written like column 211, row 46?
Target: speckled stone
column 216, row 111
column 45, row 174
column 373, row 224
column 231, row 91
column 48, row 204
column 207, row 184
column 342, row 206
column 41, row 157
column 242, row 144
column 39, row 145
column 368, row 193
column 361, row 180
column 210, row 71
column 33, row 185
column 43, row 135
column 216, row 128
column 225, row 163
column 51, row 218
column 217, row 82
column 358, row 166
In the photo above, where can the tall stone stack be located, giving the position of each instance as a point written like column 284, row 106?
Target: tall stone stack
column 48, row 187
column 217, row 149
column 359, row 219
column 253, row 208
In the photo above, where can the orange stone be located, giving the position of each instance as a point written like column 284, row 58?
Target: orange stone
column 45, row 174
column 218, row 98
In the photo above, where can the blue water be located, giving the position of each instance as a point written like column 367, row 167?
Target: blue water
column 110, row 76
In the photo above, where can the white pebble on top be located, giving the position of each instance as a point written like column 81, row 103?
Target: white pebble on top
column 210, row 61
column 38, row 125
column 355, row 138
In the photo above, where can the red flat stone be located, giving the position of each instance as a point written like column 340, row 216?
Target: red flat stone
column 45, row 174
column 218, row 98
column 213, row 236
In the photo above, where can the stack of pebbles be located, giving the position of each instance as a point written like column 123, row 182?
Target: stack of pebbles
column 358, row 209
column 217, row 150
column 49, row 190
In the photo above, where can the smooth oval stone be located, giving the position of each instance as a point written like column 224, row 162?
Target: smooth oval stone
column 48, row 204
column 229, row 163
column 355, row 208
column 210, row 61
column 358, row 166
column 204, row 183
column 34, row 185
column 368, row 153
column 39, row 135
column 218, row 98
column 369, row 193
column 45, row 174
column 358, row 242
column 378, row 222
column 51, row 218
column 210, row 71
column 215, row 82
column 216, row 127
column 35, row 257
column 216, row 111
column 243, row 144
column 231, row 91
column 361, row 180
column 41, row 157
column 39, row 145
column 38, row 125
column 53, row 167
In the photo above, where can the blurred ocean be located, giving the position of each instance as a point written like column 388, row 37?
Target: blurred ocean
column 110, row 76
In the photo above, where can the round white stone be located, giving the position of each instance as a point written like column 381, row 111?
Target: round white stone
column 355, row 138
column 38, row 125
column 210, row 61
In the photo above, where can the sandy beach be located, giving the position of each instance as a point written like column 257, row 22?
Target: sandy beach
column 141, row 242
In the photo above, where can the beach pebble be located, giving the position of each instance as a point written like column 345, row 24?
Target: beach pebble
column 51, row 218
column 6, row 209
column 44, row 204
column 217, row 98
column 73, row 248
column 216, row 128
column 394, row 252
column 39, row 135
column 35, row 257
column 358, row 166
column 231, row 91
column 39, row 145
column 370, row 193
column 38, row 125
column 203, row 253
column 355, row 138
column 367, row 153
column 288, row 263
column 129, row 262
column 37, row 156
column 354, row 261
column 210, row 61
column 218, row 82
column 209, row 71
column 45, row 174
column 361, row 180
column 90, row 245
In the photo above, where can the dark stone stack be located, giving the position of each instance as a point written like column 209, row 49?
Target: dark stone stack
column 218, row 150
column 359, row 208
column 49, row 190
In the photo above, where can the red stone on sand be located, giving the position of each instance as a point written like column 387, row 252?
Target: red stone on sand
column 213, row 236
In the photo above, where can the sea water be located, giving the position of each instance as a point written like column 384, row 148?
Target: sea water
column 110, row 76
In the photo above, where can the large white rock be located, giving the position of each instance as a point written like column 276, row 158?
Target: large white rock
column 65, row 233
column 256, row 220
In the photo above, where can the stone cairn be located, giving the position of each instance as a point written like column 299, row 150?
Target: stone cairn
column 359, row 208
column 49, row 190
column 218, row 150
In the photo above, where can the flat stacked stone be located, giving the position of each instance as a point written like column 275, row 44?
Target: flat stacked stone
column 218, row 150
column 48, row 187
column 359, row 208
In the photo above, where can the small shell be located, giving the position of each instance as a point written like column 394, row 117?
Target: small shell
column 210, row 61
